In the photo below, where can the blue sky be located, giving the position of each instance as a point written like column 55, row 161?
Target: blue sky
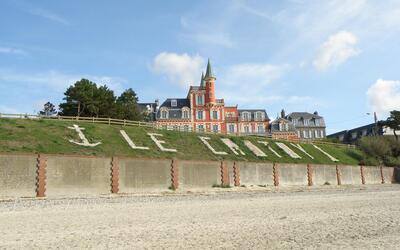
column 337, row 57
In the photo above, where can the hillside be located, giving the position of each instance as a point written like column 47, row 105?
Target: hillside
column 52, row 137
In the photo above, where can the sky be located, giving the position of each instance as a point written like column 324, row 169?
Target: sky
column 339, row 58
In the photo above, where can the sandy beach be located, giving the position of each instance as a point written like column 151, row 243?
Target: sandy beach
column 342, row 218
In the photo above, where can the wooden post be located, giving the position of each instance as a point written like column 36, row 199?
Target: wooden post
column 41, row 176
column 276, row 174
column 174, row 174
column 236, row 174
column 114, row 175
column 338, row 175
column 224, row 174
column 309, row 174
column 362, row 175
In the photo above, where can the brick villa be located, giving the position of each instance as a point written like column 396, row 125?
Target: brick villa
column 202, row 111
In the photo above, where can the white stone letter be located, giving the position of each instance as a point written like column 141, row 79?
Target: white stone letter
column 232, row 146
column 205, row 141
column 270, row 149
column 159, row 143
column 85, row 141
column 325, row 153
column 287, row 150
column 130, row 142
column 254, row 149
column 298, row 146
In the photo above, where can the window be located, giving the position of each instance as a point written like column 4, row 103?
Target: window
column 199, row 115
column 317, row 122
column 231, row 128
column 246, row 129
column 259, row 116
column 245, row 116
column 200, row 100
column 174, row 103
column 305, row 134
column 321, row 132
column 310, row 134
column 200, row 128
column 305, row 122
column 215, row 128
column 164, row 114
column 295, row 122
column 316, row 135
column 260, row 129
column 215, row 115
column 185, row 114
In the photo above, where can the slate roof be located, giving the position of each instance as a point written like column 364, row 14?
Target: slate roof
column 253, row 112
column 305, row 115
column 181, row 102
column 209, row 72
column 275, row 125
column 174, row 112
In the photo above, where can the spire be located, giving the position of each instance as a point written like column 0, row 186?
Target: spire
column 209, row 73
column 202, row 82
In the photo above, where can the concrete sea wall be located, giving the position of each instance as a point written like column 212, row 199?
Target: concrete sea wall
column 60, row 175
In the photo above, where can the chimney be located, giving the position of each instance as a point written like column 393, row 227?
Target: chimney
column 283, row 114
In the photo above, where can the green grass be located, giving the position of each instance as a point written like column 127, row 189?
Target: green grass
column 51, row 137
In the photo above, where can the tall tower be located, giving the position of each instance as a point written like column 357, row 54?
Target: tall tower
column 209, row 78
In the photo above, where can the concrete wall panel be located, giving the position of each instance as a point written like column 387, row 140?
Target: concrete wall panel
column 293, row 175
column 372, row 175
column 199, row 174
column 143, row 174
column 388, row 174
column 350, row 175
column 17, row 176
column 78, row 176
column 256, row 174
column 324, row 174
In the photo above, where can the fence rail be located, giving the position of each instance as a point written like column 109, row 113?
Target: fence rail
column 111, row 121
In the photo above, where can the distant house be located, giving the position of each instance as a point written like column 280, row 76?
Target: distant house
column 282, row 128
column 353, row 135
column 307, row 125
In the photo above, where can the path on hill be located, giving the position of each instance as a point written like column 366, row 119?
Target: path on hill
column 363, row 218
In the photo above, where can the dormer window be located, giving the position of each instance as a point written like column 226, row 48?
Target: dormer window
column 305, row 122
column 174, row 103
column 164, row 114
column 259, row 116
column 245, row 116
column 185, row 113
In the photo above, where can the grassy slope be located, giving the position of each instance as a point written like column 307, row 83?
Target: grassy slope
column 17, row 135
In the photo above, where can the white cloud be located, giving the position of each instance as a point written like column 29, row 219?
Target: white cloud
column 58, row 81
column 7, row 50
column 336, row 50
column 384, row 96
column 49, row 15
column 181, row 69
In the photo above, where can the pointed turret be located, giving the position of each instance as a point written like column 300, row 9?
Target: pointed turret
column 202, row 82
column 209, row 72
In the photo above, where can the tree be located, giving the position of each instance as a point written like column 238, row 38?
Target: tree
column 48, row 109
column 84, row 98
column 376, row 147
column 393, row 122
column 127, row 106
